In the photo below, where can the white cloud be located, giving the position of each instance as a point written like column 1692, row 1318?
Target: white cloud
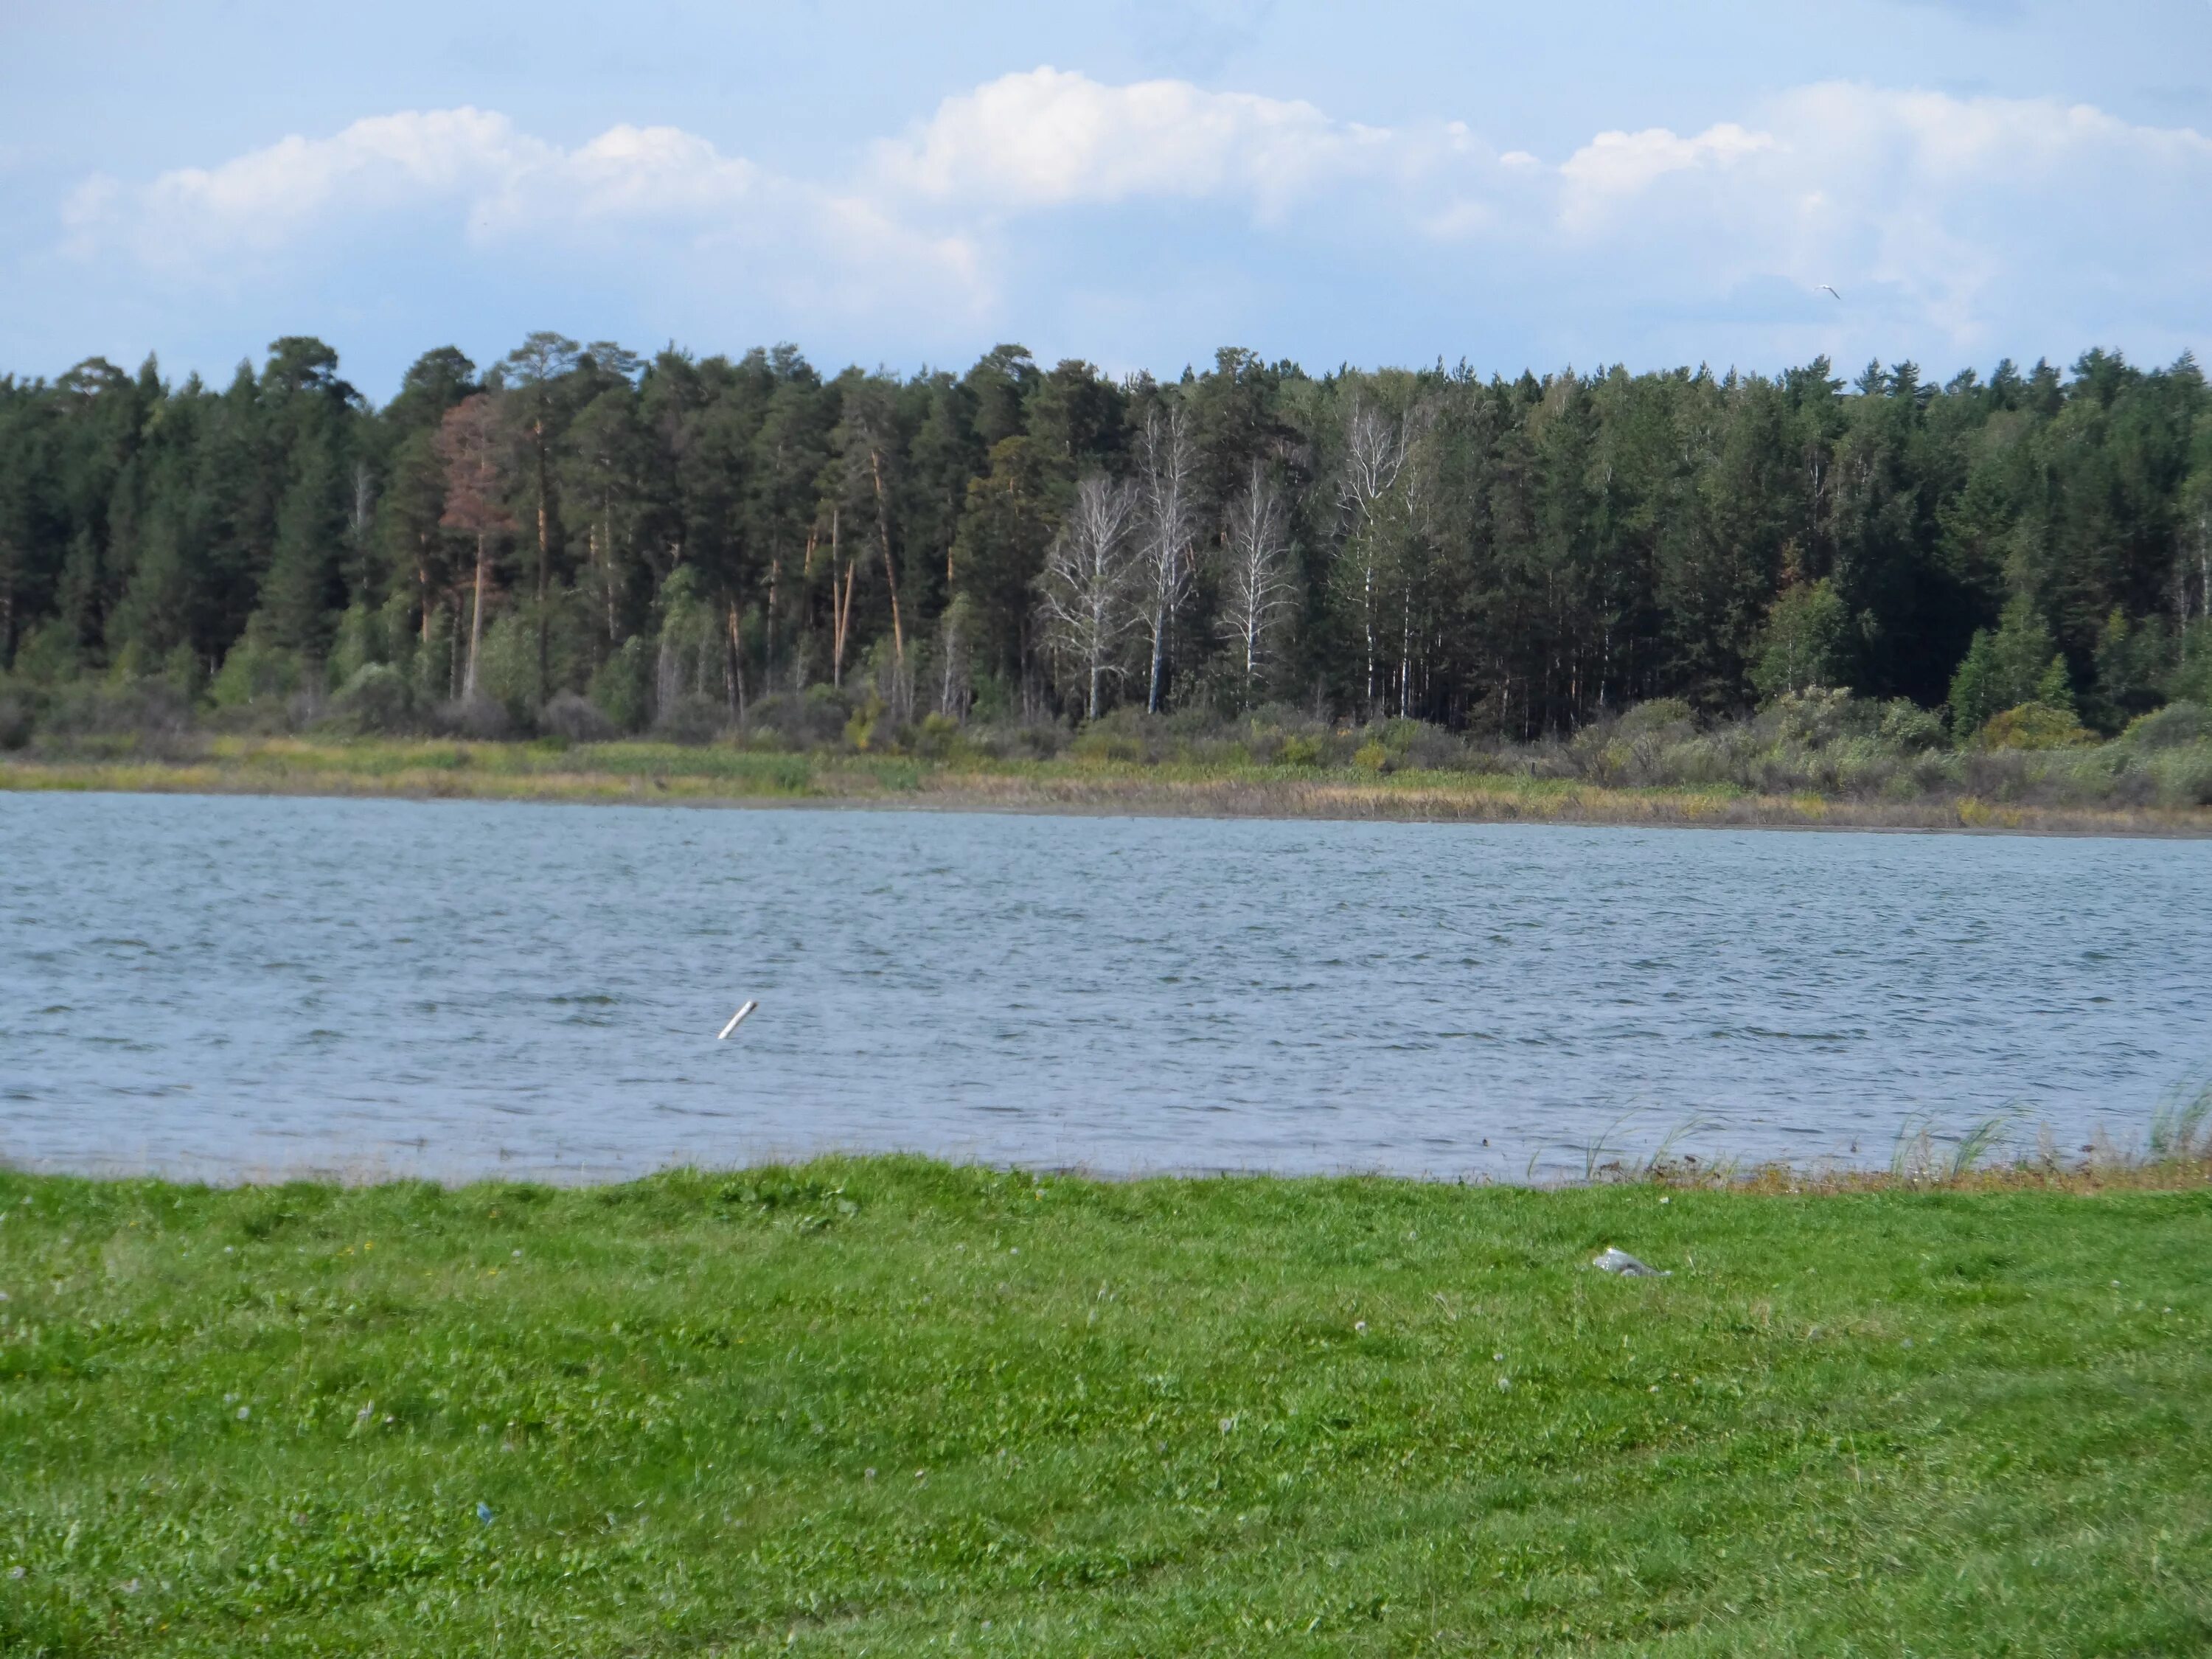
column 267, row 197
column 670, row 194
column 1616, row 164
column 465, row 160
column 1959, row 218
column 1927, row 206
column 1048, row 138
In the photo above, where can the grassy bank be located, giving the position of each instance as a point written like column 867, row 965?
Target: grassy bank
column 894, row 1407
column 641, row 772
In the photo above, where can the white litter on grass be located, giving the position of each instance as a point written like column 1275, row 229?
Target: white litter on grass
column 738, row 1018
column 1612, row 1261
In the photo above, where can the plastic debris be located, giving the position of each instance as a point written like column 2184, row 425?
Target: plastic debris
column 484, row 1513
column 1613, row 1261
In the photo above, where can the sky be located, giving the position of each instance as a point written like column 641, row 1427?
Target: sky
column 1739, row 183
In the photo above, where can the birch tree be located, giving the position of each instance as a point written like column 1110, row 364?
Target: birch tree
column 1086, row 585
column 1374, row 456
column 1167, row 478
column 1258, row 593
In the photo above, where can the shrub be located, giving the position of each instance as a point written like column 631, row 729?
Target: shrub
column 17, row 718
column 1668, row 718
column 1432, row 748
column 861, row 729
column 2168, row 728
column 1101, row 742
column 143, row 709
column 255, row 671
column 483, row 718
column 2189, row 783
column 1909, row 728
column 1371, row 756
column 575, row 718
column 691, row 718
column 2033, row 726
column 937, row 738
column 799, row 723
column 623, row 685
column 1040, row 739
column 378, row 698
column 1809, row 718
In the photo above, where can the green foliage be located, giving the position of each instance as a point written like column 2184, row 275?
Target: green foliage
column 363, row 637
column 2191, row 680
column 49, row 655
column 1909, row 728
column 861, row 729
column 2017, row 665
column 2176, row 724
column 18, row 715
column 575, row 720
column 2033, row 726
column 938, row 737
column 1807, row 641
column 2131, row 663
column 257, row 670
column 1577, row 545
column 892, row 1406
column 377, row 699
column 303, row 587
column 1662, row 717
column 623, row 686
column 507, row 671
column 1813, row 718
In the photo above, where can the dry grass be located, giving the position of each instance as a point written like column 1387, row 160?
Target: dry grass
column 666, row 773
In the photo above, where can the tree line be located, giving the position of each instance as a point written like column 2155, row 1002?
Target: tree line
column 1519, row 556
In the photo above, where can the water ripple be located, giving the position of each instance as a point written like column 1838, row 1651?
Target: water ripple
column 224, row 986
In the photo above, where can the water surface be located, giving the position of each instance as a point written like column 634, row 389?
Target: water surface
column 228, row 985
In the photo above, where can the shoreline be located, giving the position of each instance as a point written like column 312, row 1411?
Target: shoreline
column 2168, row 1151
column 666, row 775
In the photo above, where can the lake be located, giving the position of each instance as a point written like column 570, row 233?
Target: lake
column 224, row 987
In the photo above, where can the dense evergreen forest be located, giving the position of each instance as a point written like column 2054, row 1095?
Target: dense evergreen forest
column 576, row 534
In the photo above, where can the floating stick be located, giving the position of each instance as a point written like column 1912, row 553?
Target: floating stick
column 736, row 1018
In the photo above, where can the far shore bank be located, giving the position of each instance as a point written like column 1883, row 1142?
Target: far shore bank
column 675, row 774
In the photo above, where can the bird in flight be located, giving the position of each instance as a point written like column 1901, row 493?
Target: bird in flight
column 1825, row 289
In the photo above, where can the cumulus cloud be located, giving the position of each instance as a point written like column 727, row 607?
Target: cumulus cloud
column 1937, row 213
column 635, row 197
column 267, row 198
column 1049, row 138
column 1928, row 205
column 1620, row 164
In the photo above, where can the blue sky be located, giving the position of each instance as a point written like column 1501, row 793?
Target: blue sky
column 1135, row 182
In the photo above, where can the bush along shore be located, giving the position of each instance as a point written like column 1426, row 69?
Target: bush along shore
column 892, row 1407
column 1809, row 758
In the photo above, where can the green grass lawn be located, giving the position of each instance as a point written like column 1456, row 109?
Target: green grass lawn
column 894, row 1407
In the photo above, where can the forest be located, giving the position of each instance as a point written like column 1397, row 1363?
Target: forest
column 577, row 540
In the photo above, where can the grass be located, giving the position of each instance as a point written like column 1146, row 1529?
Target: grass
column 644, row 771
column 891, row 1407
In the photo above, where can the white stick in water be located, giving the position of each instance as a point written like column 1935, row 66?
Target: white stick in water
column 738, row 1018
